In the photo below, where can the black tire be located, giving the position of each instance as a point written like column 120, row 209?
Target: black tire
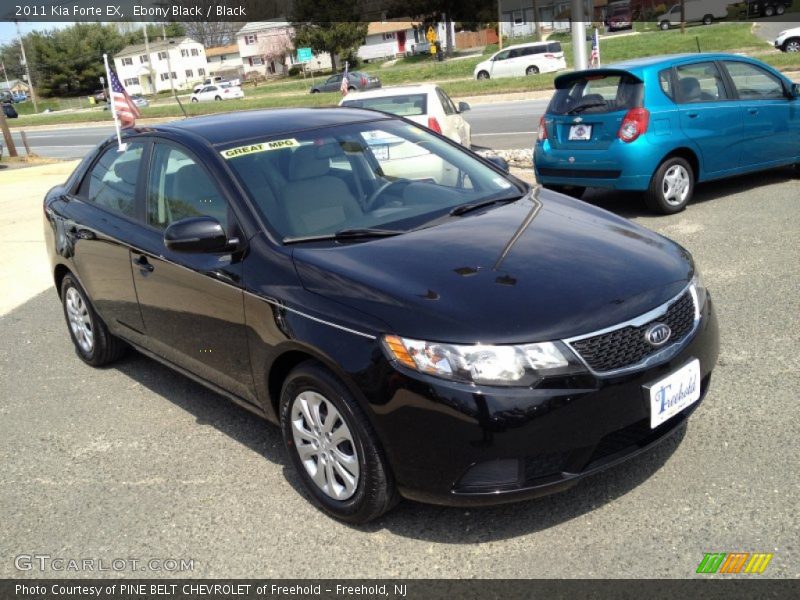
column 574, row 191
column 217, row 99
column 708, row 20
column 769, row 11
column 664, row 25
column 195, row 100
column 351, row 89
column 657, row 199
column 315, row 91
column 780, row 9
column 532, row 70
column 482, row 75
column 375, row 491
column 792, row 45
column 105, row 347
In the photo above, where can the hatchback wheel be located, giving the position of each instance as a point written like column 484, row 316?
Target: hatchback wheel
column 532, row 70
column 93, row 343
column 792, row 45
column 194, row 100
column 671, row 187
column 333, row 447
column 483, row 75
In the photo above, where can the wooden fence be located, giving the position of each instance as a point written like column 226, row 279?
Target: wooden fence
column 473, row 39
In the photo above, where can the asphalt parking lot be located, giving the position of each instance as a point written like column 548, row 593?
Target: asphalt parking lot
column 136, row 461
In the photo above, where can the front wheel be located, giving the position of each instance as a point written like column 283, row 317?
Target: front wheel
column 664, row 25
column 93, row 343
column 315, row 91
column 332, row 446
column 671, row 186
column 532, row 70
column 483, row 75
column 769, row 11
column 708, row 20
column 792, row 45
column 218, row 98
column 194, row 100
column 780, row 9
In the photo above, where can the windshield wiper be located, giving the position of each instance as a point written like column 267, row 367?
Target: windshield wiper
column 344, row 234
column 583, row 107
column 465, row 208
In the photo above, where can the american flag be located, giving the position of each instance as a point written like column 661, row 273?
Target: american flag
column 594, row 60
column 345, row 81
column 126, row 111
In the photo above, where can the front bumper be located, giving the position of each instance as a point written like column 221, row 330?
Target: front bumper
column 460, row 445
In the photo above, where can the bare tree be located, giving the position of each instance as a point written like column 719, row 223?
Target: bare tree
column 276, row 46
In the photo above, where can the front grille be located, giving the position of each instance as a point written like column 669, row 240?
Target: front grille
column 627, row 346
column 579, row 173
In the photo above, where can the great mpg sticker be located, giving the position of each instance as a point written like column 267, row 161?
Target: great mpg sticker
column 263, row 147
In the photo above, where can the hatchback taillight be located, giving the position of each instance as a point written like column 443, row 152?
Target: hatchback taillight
column 434, row 124
column 634, row 124
column 542, row 133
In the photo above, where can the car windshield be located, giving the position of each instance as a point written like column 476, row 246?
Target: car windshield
column 596, row 94
column 385, row 174
column 404, row 105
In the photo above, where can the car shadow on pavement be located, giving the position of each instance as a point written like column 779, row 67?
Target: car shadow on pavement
column 631, row 204
column 409, row 519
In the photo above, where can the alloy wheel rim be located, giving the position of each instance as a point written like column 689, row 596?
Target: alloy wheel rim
column 325, row 445
column 79, row 320
column 675, row 185
column 793, row 47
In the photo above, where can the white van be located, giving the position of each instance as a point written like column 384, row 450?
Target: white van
column 695, row 11
column 522, row 59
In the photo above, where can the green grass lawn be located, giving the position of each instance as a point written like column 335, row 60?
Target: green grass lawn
column 455, row 76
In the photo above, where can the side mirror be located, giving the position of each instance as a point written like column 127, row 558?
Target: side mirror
column 463, row 107
column 498, row 161
column 796, row 90
column 196, row 234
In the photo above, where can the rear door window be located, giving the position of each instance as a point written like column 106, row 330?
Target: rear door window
column 404, row 105
column 665, row 81
column 111, row 183
column 700, row 82
column 596, row 94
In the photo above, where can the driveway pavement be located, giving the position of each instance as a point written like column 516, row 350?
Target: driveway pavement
column 136, row 461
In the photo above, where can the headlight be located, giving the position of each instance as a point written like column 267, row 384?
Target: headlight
column 699, row 289
column 522, row 365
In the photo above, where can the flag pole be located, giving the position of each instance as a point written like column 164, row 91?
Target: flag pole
column 122, row 147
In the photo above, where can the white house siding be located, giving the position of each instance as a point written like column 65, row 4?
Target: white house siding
column 188, row 69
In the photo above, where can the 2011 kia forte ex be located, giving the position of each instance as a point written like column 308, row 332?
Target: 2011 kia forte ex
column 419, row 322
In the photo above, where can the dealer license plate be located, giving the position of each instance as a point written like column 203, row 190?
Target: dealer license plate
column 676, row 391
column 580, row 132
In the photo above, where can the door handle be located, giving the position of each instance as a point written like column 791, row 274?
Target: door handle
column 143, row 264
column 752, row 111
column 692, row 115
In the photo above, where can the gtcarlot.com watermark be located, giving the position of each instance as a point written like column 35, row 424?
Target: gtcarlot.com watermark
column 46, row 562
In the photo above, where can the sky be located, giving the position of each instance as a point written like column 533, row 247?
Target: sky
column 8, row 31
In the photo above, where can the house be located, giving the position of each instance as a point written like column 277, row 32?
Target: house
column 266, row 47
column 15, row 86
column 387, row 39
column 175, row 61
column 518, row 15
column 225, row 61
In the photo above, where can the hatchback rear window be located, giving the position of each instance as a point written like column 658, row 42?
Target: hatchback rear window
column 406, row 105
column 596, row 94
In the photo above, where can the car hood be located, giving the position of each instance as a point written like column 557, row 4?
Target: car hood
column 545, row 267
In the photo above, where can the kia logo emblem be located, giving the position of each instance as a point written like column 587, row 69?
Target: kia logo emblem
column 657, row 334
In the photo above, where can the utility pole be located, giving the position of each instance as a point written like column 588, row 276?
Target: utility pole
column 169, row 62
column 12, row 149
column 578, row 34
column 150, row 78
column 27, row 69
column 683, row 16
column 500, row 24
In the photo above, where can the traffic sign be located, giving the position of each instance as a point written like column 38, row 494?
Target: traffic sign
column 304, row 54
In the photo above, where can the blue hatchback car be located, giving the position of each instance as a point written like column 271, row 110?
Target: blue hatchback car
column 661, row 124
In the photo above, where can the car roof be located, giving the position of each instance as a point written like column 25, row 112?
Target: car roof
column 393, row 91
column 224, row 128
column 529, row 44
column 637, row 66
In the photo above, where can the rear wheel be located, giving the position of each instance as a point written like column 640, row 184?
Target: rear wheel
column 671, row 186
column 217, row 98
column 532, row 70
column 575, row 191
column 315, row 91
column 483, row 75
column 708, row 20
column 664, row 25
column 780, row 9
column 333, row 447
column 93, row 343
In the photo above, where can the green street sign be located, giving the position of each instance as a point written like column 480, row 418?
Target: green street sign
column 304, row 54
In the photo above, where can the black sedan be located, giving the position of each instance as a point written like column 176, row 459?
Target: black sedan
column 420, row 323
